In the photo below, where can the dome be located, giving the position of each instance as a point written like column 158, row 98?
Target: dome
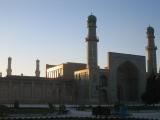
column 150, row 29
column 92, row 18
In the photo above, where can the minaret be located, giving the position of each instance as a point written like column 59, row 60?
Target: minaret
column 9, row 70
column 151, row 51
column 92, row 55
column 37, row 72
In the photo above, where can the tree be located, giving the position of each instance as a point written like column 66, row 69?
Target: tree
column 151, row 95
column 4, row 111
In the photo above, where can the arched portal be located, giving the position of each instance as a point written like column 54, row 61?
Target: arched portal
column 127, row 82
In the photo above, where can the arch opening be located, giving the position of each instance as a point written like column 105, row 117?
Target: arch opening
column 127, row 82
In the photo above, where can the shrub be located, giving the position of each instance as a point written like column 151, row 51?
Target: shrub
column 4, row 111
column 151, row 95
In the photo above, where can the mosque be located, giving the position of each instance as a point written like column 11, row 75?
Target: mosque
column 77, row 83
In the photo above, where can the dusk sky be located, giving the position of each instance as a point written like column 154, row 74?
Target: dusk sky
column 54, row 31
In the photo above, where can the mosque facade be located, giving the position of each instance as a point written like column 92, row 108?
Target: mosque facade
column 124, row 79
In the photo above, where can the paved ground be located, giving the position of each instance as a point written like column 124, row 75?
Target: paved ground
column 153, row 114
column 147, row 114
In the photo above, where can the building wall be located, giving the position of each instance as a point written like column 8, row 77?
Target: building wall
column 81, row 74
column 82, row 92
column 56, row 71
column 117, row 59
column 82, row 80
column 65, row 71
column 69, row 69
column 36, row 91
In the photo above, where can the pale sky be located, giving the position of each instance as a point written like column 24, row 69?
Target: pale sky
column 54, row 31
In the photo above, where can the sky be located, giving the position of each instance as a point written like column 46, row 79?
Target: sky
column 54, row 31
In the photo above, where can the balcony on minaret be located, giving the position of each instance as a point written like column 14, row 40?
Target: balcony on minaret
column 151, row 48
column 95, row 39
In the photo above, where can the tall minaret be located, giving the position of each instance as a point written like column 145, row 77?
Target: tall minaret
column 151, row 51
column 9, row 70
column 37, row 72
column 92, row 65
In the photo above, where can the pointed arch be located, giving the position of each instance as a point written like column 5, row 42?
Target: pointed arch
column 127, row 82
